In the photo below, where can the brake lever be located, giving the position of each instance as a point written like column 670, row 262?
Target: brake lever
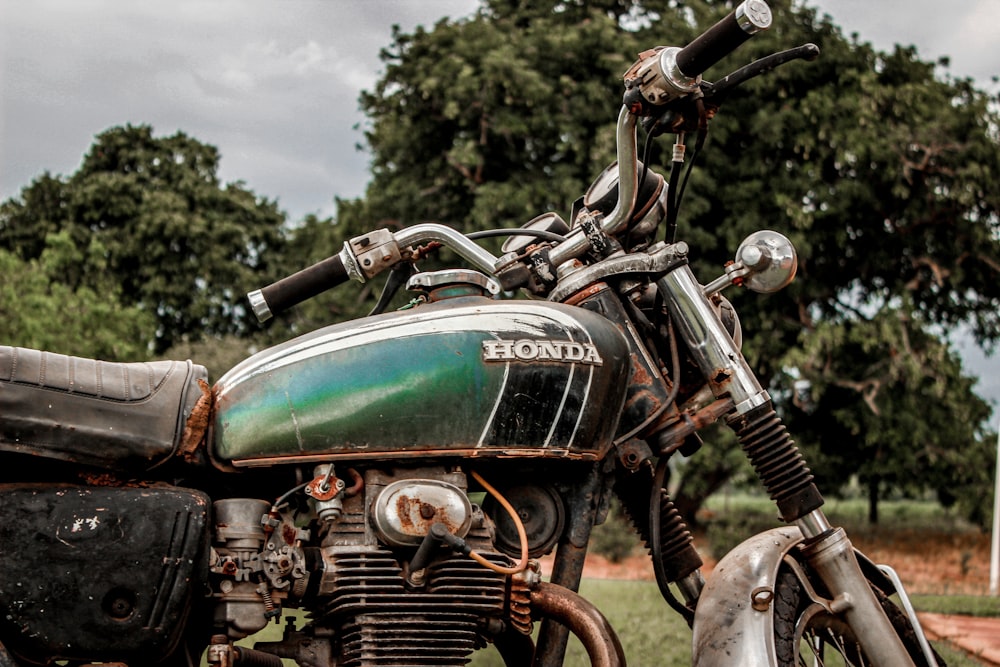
column 715, row 93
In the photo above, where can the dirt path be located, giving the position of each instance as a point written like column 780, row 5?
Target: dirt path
column 979, row 637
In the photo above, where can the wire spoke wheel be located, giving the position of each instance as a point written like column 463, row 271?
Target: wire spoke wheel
column 808, row 635
column 826, row 640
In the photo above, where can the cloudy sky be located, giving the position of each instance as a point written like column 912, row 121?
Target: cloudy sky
column 274, row 85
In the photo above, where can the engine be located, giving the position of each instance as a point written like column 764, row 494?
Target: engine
column 380, row 562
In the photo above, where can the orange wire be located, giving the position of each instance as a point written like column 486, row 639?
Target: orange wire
column 521, row 533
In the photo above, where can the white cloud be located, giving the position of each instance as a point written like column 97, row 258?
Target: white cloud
column 238, row 74
column 966, row 32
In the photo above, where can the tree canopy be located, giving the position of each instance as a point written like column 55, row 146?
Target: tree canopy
column 38, row 309
column 149, row 215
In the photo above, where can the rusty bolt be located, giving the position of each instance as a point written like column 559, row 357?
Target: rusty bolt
column 761, row 598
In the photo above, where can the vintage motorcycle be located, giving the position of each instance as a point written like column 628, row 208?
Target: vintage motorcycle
column 397, row 477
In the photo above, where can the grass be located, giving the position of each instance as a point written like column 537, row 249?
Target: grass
column 965, row 605
column 650, row 632
column 894, row 513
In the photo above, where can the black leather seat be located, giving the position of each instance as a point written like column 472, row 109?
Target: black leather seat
column 120, row 416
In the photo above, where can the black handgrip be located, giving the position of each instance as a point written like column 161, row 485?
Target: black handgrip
column 297, row 287
column 749, row 18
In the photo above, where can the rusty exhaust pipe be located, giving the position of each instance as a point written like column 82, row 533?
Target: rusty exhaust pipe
column 583, row 620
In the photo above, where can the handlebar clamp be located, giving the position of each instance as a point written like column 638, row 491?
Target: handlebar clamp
column 371, row 253
column 657, row 78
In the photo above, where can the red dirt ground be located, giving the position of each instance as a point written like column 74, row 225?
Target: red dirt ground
column 946, row 564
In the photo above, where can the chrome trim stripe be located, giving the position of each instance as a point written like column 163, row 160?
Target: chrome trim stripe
column 583, row 403
column 496, row 405
column 531, row 320
column 562, row 406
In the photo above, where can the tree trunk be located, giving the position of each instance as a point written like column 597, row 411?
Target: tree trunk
column 690, row 497
column 873, row 484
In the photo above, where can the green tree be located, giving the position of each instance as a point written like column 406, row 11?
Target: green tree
column 491, row 121
column 181, row 245
column 39, row 310
column 881, row 173
column 917, row 408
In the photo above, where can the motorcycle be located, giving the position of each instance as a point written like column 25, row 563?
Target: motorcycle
column 397, row 477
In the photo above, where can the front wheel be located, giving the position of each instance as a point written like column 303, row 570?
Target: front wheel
column 807, row 633
column 762, row 606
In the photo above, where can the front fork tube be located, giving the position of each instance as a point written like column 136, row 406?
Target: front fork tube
column 709, row 342
column 831, row 556
column 776, row 460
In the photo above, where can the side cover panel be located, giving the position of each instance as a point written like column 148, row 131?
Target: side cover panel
column 93, row 573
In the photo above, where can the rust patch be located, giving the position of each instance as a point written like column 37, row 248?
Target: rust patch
column 197, row 423
column 639, row 373
column 585, row 293
column 108, row 479
column 403, row 511
column 416, row 517
column 100, row 479
column 315, row 488
column 721, row 376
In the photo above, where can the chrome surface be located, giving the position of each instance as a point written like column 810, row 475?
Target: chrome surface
column 718, row 357
column 430, row 279
column 405, row 510
column 467, row 249
column 911, row 613
column 691, row 586
column 814, row 524
column 753, row 16
column 259, row 305
column 727, row 629
column 576, row 242
column 833, row 559
column 351, row 263
column 677, row 81
column 658, row 77
column 771, row 258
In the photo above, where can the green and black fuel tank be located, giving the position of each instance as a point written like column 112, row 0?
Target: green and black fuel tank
column 465, row 377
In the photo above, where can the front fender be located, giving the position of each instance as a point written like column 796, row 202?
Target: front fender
column 727, row 629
